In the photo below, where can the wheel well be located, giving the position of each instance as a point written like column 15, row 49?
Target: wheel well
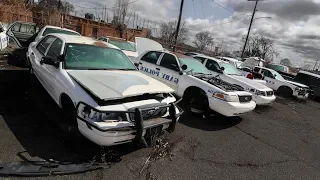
column 285, row 87
column 191, row 90
column 65, row 100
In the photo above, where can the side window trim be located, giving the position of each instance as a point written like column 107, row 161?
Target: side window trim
column 47, row 50
column 159, row 59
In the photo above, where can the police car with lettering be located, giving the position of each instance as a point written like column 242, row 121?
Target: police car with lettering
column 201, row 91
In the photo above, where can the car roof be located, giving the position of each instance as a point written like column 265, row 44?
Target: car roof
column 81, row 40
column 211, row 58
column 56, row 27
column 309, row 73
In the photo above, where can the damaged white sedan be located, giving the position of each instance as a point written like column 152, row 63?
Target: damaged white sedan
column 100, row 90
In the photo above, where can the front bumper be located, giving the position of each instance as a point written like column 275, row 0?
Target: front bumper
column 301, row 94
column 231, row 108
column 132, row 131
column 263, row 100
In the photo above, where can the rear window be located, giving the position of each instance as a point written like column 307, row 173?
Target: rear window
column 60, row 31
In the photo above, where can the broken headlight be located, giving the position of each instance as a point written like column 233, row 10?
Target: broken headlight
column 261, row 93
column 88, row 113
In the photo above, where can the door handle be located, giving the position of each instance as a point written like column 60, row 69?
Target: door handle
column 32, row 54
column 158, row 69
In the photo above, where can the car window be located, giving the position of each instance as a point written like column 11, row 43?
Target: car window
column 212, row 66
column 16, row 27
column 44, row 44
column 123, row 45
column 256, row 69
column 189, row 54
column 200, row 59
column 151, row 57
column 55, row 49
column 314, row 81
column 267, row 73
column 94, row 57
column 170, row 62
column 194, row 66
column 60, row 31
column 302, row 78
column 27, row 28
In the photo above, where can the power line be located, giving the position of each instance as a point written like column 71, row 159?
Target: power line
column 245, row 17
column 223, row 6
column 202, row 9
column 194, row 9
column 107, row 7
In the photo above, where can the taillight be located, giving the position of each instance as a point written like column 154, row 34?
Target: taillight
column 250, row 76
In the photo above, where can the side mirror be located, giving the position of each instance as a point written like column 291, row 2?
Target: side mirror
column 222, row 69
column 137, row 65
column 50, row 61
column 184, row 67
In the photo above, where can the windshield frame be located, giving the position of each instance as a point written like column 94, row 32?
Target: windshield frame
column 66, row 50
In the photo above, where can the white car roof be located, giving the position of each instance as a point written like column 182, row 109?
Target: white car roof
column 56, row 27
column 211, row 58
column 80, row 39
column 309, row 73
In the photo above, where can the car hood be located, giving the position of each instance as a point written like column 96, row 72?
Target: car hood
column 250, row 82
column 110, row 85
column 145, row 44
column 297, row 84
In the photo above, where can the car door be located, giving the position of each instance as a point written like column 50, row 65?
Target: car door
column 22, row 33
column 148, row 64
column 3, row 38
column 36, row 55
column 169, row 68
column 50, row 73
column 270, row 79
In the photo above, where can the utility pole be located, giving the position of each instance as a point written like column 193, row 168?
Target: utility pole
column 253, row 13
column 178, row 26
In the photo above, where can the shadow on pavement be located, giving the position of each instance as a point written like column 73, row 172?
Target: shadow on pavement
column 213, row 123
column 17, row 57
column 31, row 115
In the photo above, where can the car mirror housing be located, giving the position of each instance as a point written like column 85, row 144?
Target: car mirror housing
column 184, row 67
column 50, row 61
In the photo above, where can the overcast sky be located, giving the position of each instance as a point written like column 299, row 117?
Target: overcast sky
column 295, row 24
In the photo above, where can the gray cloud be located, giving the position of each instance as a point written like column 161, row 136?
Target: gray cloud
column 289, row 10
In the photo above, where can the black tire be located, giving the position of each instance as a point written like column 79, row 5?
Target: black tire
column 197, row 104
column 285, row 91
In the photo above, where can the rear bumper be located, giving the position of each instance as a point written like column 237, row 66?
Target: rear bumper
column 230, row 108
column 263, row 100
column 133, row 131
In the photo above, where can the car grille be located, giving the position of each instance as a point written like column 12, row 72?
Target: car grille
column 156, row 112
column 245, row 98
column 269, row 93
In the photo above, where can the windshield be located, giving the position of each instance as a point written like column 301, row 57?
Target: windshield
column 194, row 65
column 230, row 69
column 60, row 31
column 250, row 63
column 276, row 67
column 123, row 45
column 83, row 56
column 277, row 75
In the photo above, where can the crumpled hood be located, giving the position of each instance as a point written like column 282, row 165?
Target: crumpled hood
column 297, row 84
column 108, row 85
column 250, row 82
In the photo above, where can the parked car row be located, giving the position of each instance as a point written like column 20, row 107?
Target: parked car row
column 116, row 91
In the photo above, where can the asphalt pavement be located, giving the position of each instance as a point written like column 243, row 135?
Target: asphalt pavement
column 279, row 141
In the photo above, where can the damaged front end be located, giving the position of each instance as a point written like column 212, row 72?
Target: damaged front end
column 113, row 127
column 216, row 81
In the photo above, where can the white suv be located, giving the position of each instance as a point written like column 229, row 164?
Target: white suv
column 100, row 90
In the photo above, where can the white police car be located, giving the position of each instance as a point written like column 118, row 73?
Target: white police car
column 4, row 40
column 261, row 94
column 100, row 90
column 192, row 81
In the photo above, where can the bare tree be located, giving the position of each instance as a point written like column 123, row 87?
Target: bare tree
column 51, row 5
column 203, row 39
column 168, row 30
column 259, row 46
column 286, row 62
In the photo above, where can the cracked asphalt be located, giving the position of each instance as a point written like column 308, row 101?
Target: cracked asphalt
column 280, row 141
